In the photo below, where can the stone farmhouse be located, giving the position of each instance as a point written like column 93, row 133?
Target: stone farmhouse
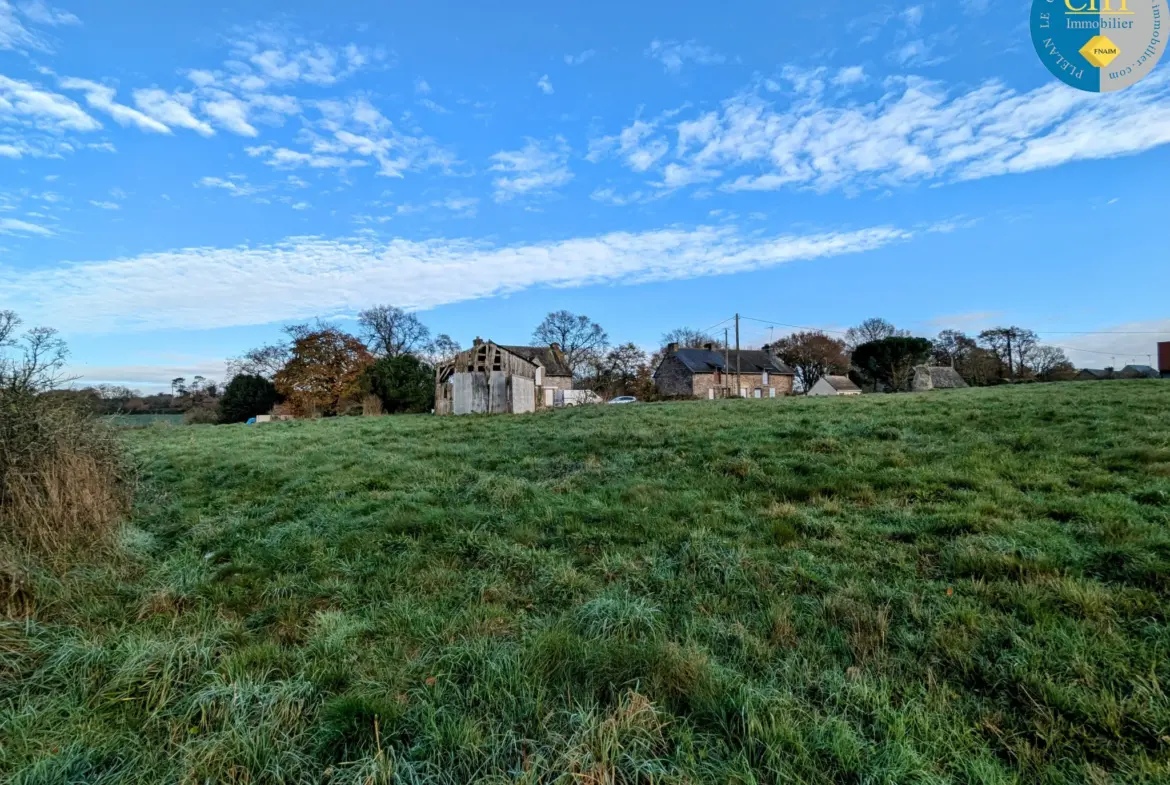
column 711, row 373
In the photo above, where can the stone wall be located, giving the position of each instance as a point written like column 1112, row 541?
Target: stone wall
column 751, row 381
column 557, row 382
column 673, row 377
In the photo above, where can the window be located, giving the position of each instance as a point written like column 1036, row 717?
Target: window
column 539, row 375
column 765, row 378
column 718, row 377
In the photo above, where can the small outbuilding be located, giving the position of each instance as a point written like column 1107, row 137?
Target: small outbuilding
column 834, row 385
column 936, row 377
column 1093, row 374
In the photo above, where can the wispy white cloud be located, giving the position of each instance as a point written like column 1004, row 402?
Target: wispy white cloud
column 634, row 143
column 537, row 168
column 308, row 276
column 579, row 59
column 101, row 98
column 1133, row 343
column 918, row 52
column 24, row 102
column 145, row 377
column 284, row 158
column 917, row 131
column 433, row 106
column 105, row 205
column 230, row 113
column 612, row 197
column 18, row 227
column 15, row 33
column 850, row 75
column 545, row 85
column 235, row 184
column 674, row 55
column 171, row 109
column 267, row 56
column 356, row 127
column 421, row 87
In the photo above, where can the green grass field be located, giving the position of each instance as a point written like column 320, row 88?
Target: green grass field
column 142, row 420
column 967, row 586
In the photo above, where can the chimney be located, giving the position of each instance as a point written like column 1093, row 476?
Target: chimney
column 769, row 350
column 672, row 347
column 709, row 346
column 477, row 342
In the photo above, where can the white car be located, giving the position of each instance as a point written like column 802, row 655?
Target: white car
column 623, row 399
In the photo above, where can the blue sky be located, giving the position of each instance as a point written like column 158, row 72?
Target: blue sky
column 178, row 182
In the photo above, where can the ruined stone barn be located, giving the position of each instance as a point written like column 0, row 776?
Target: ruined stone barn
column 711, row 373
column 936, row 377
column 492, row 379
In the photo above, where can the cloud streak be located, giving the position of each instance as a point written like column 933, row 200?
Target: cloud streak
column 918, row 131
column 310, row 276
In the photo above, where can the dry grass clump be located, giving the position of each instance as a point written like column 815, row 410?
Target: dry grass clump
column 62, row 481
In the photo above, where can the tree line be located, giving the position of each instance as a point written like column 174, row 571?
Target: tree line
column 388, row 365
column 322, row 370
column 880, row 356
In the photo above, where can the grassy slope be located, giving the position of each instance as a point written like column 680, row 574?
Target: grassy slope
column 963, row 586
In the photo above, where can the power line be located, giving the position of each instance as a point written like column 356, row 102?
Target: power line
column 712, row 327
column 793, row 326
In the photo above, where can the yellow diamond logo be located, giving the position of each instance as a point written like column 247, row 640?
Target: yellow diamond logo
column 1100, row 51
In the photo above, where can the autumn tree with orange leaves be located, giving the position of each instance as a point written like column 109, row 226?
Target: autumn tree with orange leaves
column 323, row 372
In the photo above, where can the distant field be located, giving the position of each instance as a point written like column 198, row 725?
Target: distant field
column 142, row 420
column 962, row 586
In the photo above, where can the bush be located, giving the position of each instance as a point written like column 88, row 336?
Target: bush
column 201, row 415
column 63, row 484
column 404, row 384
column 245, row 397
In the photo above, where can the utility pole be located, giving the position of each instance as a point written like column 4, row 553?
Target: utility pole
column 738, row 377
column 726, row 367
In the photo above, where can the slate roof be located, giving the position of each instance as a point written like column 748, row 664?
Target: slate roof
column 750, row 361
column 841, row 383
column 1140, row 371
column 1096, row 373
column 553, row 362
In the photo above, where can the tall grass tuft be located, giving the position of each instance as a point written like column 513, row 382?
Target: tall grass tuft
column 63, row 486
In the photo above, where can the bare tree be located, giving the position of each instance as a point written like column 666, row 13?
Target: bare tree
column 267, row 360
column 389, row 331
column 977, row 366
column 619, row 370
column 872, row 329
column 1013, row 346
column 442, row 349
column 580, row 339
column 1051, row 364
column 812, row 355
column 689, row 338
column 32, row 362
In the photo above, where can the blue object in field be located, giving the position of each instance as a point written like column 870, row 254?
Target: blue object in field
column 251, row 421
